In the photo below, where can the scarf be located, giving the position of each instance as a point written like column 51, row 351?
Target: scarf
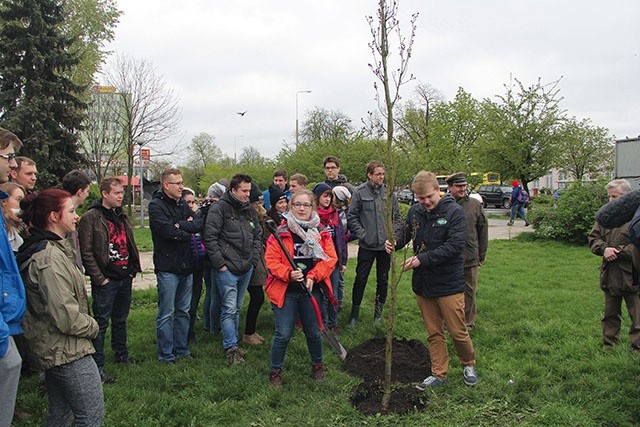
column 328, row 216
column 308, row 232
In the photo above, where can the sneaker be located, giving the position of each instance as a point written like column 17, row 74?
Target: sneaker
column 234, row 357
column 430, row 381
column 251, row 339
column 469, row 375
column 241, row 351
column 106, row 378
column 275, row 377
column 260, row 337
column 317, row 372
column 510, row 223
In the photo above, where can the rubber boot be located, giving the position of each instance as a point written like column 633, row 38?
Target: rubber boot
column 377, row 314
column 355, row 312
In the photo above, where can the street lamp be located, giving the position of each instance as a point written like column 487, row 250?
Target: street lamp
column 298, row 93
column 141, row 187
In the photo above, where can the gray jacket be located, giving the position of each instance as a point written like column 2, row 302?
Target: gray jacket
column 367, row 218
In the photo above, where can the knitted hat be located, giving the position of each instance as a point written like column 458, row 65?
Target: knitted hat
column 217, row 189
column 342, row 193
column 276, row 194
column 320, row 188
column 514, row 183
column 256, row 194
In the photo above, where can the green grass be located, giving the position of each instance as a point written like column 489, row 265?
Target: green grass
column 537, row 339
column 143, row 238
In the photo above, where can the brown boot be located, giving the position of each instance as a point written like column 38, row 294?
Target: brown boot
column 317, row 372
column 275, row 377
column 234, row 357
column 251, row 339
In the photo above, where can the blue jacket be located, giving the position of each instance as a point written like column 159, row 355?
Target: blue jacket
column 438, row 238
column 13, row 302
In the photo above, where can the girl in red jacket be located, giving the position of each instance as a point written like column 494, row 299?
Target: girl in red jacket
column 312, row 250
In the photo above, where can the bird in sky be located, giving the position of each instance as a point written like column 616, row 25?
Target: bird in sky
column 242, row 114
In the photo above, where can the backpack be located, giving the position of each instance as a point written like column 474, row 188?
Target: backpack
column 523, row 196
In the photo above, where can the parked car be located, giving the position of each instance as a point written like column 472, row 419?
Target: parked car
column 406, row 196
column 474, row 195
column 495, row 195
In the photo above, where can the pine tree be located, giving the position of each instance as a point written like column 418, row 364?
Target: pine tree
column 37, row 101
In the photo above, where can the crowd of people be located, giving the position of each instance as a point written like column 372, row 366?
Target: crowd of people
column 288, row 243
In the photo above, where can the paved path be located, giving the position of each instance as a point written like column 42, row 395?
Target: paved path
column 498, row 229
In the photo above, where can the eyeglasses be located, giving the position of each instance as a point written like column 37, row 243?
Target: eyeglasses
column 301, row 205
column 8, row 157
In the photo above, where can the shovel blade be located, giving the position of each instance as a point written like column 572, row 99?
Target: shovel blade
column 335, row 344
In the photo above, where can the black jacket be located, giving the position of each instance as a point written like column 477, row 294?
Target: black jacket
column 232, row 235
column 172, row 224
column 439, row 238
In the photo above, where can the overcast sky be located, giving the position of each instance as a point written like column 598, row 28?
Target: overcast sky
column 224, row 57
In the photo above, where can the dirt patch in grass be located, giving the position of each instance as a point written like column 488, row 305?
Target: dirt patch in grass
column 410, row 364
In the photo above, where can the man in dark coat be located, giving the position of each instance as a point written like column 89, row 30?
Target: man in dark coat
column 172, row 223
column 232, row 236
column 437, row 227
column 475, row 250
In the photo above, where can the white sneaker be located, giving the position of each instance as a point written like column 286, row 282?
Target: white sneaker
column 469, row 375
column 430, row 381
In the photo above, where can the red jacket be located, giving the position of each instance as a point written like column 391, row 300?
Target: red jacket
column 279, row 267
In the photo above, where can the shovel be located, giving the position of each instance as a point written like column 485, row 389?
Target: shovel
column 331, row 338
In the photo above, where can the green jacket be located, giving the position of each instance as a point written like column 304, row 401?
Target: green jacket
column 616, row 277
column 58, row 326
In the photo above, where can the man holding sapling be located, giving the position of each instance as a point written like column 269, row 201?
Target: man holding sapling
column 438, row 229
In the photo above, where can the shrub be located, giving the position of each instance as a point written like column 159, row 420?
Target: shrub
column 571, row 217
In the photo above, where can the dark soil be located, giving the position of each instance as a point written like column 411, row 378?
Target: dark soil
column 410, row 364
column 367, row 398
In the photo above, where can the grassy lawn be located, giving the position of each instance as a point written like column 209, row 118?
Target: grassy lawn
column 143, row 238
column 540, row 360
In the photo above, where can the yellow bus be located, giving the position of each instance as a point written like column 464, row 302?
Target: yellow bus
column 490, row 178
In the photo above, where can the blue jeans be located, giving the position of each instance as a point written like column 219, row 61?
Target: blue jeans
column 211, row 305
column 296, row 304
column 112, row 302
column 172, row 323
column 518, row 209
column 232, row 289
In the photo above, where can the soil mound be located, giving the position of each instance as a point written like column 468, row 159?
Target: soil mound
column 410, row 364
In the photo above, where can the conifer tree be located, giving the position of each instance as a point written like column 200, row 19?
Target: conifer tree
column 37, row 101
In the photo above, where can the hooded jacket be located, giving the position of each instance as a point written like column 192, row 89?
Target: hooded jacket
column 232, row 235
column 366, row 218
column 93, row 234
column 438, row 239
column 12, row 298
column 57, row 325
column 172, row 224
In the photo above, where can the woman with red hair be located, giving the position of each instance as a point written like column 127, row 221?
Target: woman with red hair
column 57, row 325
